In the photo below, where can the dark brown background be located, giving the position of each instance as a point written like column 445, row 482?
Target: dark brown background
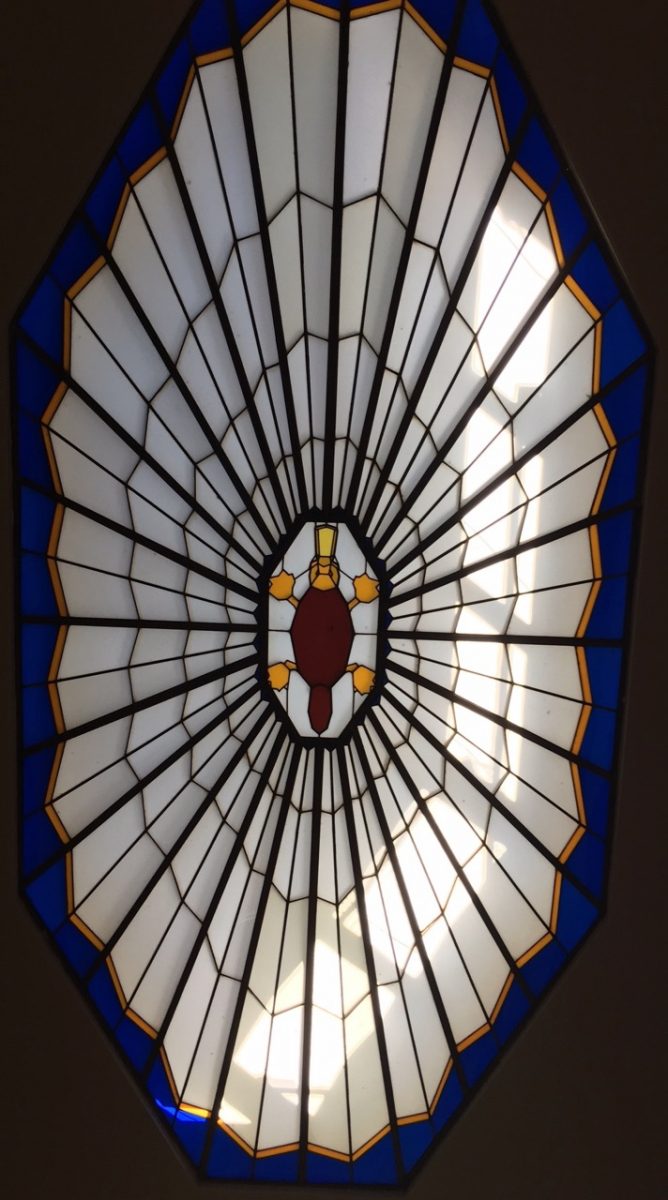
column 577, row 1109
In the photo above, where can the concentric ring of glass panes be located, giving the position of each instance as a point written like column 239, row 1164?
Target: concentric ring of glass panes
column 333, row 264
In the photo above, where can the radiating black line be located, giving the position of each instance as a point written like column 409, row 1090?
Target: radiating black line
column 130, row 710
column 492, row 799
column 253, row 939
column 302, row 276
column 409, row 910
column 435, row 265
column 131, row 531
column 504, row 681
column 449, row 314
column 140, row 539
column 170, row 855
column 272, row 287
column 335, row 274
column 337, row 916
column 236, row 850
column 237, row 246
column 522, row 460
column 192, row 329
column 490, row 379
column 400, row 972
column 140, row 623
column 221, row 311
column 460, row 873
column 505, row 639
column 314, row 865
column 281, row 951
column 369, row 959
column 406, row 249
column 169, row 761
column 496, row 718
column 133, row 668
column 175, row 374
column 543, row 539
column 142, row 453
column 377, row 199
column 558, row 867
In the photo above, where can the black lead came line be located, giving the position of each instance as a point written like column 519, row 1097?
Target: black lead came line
column 170, row 855
column 221, row 311
column 495, row 804
column 137, row 706
column 517, row 464
column 137, row 448
column 314, row 865
column 406, row 250
column 367, row 944
column 175, row 375
column 491, row 377
column 251, row 951
column 140, row 539
column 253, row 160
column 136, row 789
column 409, row 910
column 515, row 551
column 460, row 873
column 450, row 308
column 236, row 851
column 335, row 270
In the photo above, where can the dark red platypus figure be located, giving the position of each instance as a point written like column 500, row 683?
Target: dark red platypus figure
column 322, row 630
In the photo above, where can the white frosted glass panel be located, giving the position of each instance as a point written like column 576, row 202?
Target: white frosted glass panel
column 418, row 59
column 463, row 97
column 268, row 73
column 368, row 1105
column 222, row 101
column 483, row 163
column 315, row 80
column 139, row 260
column 102, row 303
column 371, row 55
column 197, row 160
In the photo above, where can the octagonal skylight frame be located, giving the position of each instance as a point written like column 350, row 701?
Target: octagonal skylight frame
column 622, row 357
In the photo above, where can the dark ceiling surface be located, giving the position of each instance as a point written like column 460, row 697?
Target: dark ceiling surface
column 577, row 1108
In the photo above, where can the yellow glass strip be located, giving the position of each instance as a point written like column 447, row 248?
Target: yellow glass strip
column 473, row 68
column 83, row 928
column 368, row 10
column 214, row 56
column 322, row 10
column 586, row 303
column 474, row 1037
column 529, row 182
column 371, row 1142
column 572, row 843
column 88, row 274
column 533, row 950
column 502, row 996
column 268, row 16
column 119, row 216
column 439, row 1089
column 339, row 1155
column 425, row 27
column 554, row 234
column 499, row 114
column 272, row 1150
column 190, row 79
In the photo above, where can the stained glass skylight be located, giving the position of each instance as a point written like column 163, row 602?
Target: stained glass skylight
column 328, row 412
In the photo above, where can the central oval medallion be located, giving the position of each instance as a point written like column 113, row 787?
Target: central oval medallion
column 322, row 624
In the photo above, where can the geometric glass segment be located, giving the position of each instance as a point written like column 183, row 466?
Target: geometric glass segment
column 329, row 409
